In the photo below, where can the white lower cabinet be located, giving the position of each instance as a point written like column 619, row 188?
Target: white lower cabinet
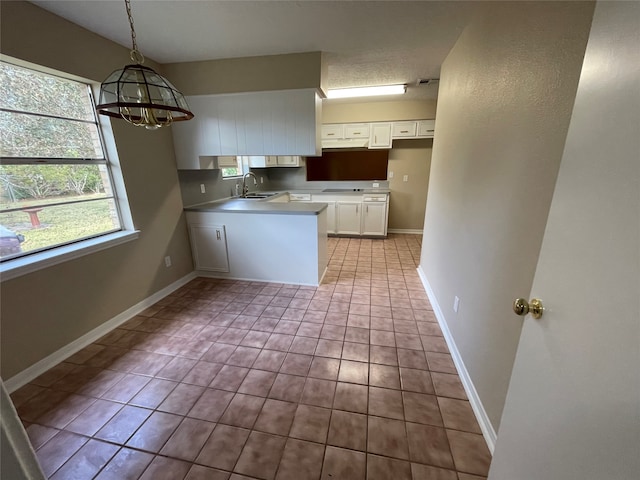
column 349, row 216
column 209, row 245
column 374, row 218
column 331, row 218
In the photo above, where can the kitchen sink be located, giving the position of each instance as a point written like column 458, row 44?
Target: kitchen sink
column 258, row 195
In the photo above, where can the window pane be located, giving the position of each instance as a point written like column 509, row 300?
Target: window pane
column 40, row 228
column 26, row 185
column 25, row 135
column 30, row 91
column 230, row 172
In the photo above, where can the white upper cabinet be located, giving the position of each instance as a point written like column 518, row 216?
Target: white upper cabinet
column 285, row 122
column 288, row 161
column 262, row 161
column 332, row 131
column 426, row 128
column 380, row 136
column 404, row 129
column 356, row 130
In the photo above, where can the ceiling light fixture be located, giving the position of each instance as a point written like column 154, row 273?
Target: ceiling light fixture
column 139, row 95
column 367, row 91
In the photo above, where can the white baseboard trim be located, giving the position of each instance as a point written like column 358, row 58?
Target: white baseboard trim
column 406, row 231
column 476, row 404
column 65, row 352
column 207, row 274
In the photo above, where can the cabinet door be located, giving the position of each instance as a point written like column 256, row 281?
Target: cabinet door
column 257, row 161
column 272, row 161
column 226, row 113
column 288, row 160
column 348, row 218
column 332, row 131
column 209, row 245
column 262, row 161
column 426, row 128
column 374, row 220
column 331, row 217
column 404, row 129
column 188, row 138
column 380, row 135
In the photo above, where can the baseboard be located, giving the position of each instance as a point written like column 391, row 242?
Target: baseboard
column 476, row 404
column 65, row 352
column 406, row 231
column 207, row 274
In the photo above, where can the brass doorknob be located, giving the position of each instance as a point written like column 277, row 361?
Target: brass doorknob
column 534, row 307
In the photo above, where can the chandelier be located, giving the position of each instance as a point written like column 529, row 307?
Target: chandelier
column 139, row 95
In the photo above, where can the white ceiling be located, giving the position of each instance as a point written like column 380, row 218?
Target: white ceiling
column 365, row 42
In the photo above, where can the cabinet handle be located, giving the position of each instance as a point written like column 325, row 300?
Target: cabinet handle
column 218, row 236
column 357, row 133
column 330, row 134
column 404, row 131
column 356, row 208
column 367, row 208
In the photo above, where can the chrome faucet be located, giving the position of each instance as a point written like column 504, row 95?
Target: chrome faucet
column 245, row 187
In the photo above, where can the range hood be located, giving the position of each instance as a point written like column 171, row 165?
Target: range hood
column 345, row 143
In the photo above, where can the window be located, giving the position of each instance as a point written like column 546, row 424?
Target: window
column 231, row 166
column 56, row 187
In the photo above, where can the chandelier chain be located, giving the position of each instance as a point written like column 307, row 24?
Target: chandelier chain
column 136, row 56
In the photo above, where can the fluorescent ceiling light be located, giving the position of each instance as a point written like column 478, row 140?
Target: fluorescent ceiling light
column 367, row 91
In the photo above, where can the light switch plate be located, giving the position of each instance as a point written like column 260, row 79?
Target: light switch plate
column 405, row 178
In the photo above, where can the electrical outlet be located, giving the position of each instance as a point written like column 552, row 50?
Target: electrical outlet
column 390, row 174
column 167, row 261
column 376, row 185
column 405, row 178
column 456, row 304
column 202, row 188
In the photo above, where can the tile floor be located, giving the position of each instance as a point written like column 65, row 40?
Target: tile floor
column 241, row 380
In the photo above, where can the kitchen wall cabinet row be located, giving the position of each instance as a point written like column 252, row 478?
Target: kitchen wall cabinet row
column 284, row 122
column 353, row 214
column 269, row 161
column 379, row 134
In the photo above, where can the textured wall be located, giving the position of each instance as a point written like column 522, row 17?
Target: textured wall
column 45, row 310
column 505, row 99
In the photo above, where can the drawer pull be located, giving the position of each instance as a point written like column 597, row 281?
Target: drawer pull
column 330, row 134
column 404, row 131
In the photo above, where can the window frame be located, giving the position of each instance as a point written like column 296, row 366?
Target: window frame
column 240, row 167
column 31, row 262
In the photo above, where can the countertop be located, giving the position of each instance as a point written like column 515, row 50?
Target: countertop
column 341, row 191
column 262, row 205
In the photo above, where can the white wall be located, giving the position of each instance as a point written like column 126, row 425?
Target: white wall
column 505, row 98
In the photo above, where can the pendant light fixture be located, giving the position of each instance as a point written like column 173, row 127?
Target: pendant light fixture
column 139, row 95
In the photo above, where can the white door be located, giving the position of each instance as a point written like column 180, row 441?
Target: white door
column 573, row 407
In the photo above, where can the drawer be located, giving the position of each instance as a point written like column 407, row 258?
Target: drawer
column 404, row 129
column 375, row 198
column 332, row 131
column 300, row 197
column 356, row 130
column 426, row 128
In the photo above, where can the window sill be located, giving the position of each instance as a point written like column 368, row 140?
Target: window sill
column 38, row 261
